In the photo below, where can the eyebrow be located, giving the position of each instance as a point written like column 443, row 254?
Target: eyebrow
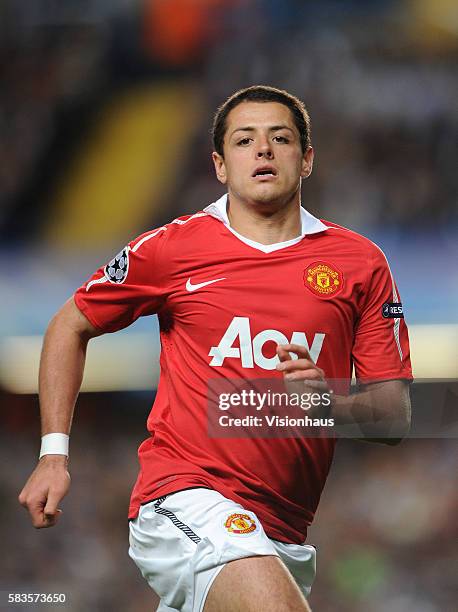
column 273, row 128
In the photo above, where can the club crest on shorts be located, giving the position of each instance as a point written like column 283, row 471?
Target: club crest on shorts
column 116, row 270
column 240, row 524
column 323, row 279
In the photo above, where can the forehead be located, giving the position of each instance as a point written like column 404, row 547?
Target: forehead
column 259, row 114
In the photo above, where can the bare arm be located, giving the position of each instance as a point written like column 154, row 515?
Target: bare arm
column 61, row 373
column 62, row 367
column 379, row 413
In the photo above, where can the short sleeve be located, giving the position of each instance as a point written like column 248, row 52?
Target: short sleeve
column 381, row 346
column 131, row 285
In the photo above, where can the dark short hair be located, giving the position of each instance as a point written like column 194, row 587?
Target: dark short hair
column 261, row 93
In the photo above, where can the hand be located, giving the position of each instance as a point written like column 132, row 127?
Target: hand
column 46, row 487
column 301, row 375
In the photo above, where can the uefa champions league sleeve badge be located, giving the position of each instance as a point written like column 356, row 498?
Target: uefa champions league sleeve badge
column 116, row 270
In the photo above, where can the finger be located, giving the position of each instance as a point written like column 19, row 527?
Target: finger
column 52, row 502
column 40, row 520
column 283, row 354
column 296, row 364
column 311, row 374
column 36, row 514
column 51, row 520
column 22, row 499
column 298, row 349
column 44, row 523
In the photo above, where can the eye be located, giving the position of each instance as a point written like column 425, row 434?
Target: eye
column 244, row 142
column 281, row 139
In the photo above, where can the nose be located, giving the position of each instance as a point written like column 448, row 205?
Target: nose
column 264, row 150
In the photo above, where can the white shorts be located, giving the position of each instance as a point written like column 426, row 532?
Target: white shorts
column 182, row 541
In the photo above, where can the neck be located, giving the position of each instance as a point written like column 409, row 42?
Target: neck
column 264, row 224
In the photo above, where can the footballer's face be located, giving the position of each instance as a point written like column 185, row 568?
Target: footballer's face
column 263, row 161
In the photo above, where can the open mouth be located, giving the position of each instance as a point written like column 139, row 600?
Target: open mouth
column 266, row 171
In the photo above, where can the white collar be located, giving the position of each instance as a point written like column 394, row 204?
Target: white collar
column 309, row 225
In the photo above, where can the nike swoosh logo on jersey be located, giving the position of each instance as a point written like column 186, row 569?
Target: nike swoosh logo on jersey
column 191, row 287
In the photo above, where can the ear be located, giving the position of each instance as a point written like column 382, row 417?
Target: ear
column 307, row 163
column 220, row 167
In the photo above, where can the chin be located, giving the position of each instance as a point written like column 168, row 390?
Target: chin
column 273, row 197
column 266, row 194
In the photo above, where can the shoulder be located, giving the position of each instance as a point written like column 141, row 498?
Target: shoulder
column 364, row 245
column 179, row 228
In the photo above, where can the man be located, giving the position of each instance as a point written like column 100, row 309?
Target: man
column 219, row 524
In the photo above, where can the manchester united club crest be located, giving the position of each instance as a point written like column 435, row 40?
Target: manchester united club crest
column 240, row 524
column 116, row 270
column 323, row 279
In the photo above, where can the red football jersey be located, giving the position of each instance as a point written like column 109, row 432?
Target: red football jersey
column 223, row 303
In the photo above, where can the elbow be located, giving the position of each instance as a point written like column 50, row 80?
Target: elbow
column 398, row 420
column 399, row 430
column 70, row 320
column 393, row 441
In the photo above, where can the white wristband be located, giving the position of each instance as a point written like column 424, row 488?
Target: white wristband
column 54, row 444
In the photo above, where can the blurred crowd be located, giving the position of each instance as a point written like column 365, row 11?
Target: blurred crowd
column 377, row 77
column 379, row 80
column 384, row 530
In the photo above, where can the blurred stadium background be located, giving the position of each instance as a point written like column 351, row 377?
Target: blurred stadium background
column 105, row 111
